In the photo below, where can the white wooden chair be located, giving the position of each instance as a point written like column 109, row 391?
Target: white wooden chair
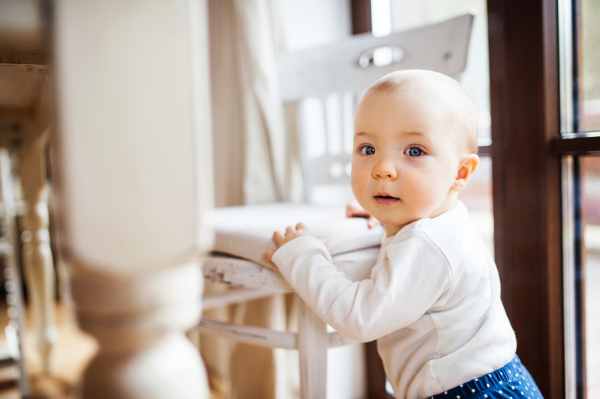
column 347, row 68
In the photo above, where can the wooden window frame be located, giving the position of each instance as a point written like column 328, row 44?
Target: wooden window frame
column 526, row 181
column 527, row 156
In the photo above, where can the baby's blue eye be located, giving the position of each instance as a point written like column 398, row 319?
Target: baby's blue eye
column 414, row 152
column 367, row 150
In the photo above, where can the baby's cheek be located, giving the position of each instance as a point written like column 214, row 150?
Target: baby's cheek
column 437, row 192
column 425, row 193
column 359, row 184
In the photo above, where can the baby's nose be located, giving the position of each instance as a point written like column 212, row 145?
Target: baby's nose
column 385, row 169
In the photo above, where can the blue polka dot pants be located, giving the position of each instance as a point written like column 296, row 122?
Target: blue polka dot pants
column 509, row 382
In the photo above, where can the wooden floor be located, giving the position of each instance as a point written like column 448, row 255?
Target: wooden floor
column 70, row 357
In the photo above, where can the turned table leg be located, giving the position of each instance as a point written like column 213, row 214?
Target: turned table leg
column 37, row 256
column 133, row 186
column 140, row 325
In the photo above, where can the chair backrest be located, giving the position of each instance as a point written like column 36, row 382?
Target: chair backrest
column 335, row 76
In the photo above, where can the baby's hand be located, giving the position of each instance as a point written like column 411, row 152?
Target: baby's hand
column 290, row 234
column 354, row 210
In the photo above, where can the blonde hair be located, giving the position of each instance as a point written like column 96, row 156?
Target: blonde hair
column 454, row 95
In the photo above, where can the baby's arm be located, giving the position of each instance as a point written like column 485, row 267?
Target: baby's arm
column 400, row 290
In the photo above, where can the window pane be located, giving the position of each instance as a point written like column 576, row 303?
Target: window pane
column 590, row 168
column 590, row 68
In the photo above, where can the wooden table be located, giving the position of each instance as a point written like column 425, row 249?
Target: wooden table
column 25, row 122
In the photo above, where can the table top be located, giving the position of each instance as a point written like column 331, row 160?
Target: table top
column 24, row 72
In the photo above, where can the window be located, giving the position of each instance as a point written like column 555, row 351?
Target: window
column 590, row 190
column 542, row 82
column 590, row 70
column 579, row 38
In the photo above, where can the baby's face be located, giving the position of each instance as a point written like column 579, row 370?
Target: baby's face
column 406, row 157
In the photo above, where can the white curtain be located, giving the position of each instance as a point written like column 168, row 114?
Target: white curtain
column 254, row 163
column 255, row 160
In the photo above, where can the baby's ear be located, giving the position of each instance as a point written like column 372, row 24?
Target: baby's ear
column 467, row 166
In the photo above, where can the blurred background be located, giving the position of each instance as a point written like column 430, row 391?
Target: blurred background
column 259, row 158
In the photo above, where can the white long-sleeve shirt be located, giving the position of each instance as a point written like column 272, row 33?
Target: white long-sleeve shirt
column 432, row 302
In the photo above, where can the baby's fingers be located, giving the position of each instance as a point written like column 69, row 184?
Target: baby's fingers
column 278, row 238
column 371, row 222
column 301, row 226
column 353, row 209
column 269, row 254
column 289, row 230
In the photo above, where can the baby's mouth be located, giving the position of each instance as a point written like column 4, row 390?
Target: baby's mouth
column 386, row 199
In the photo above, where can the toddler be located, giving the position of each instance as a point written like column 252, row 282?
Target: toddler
column 432, row 301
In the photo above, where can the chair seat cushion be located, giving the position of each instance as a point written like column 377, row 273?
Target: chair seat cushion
column 355, row 265
column 247, row 231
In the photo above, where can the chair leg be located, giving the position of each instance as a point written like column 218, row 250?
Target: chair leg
column 312, row 348
column 12, row 273
column 37, row 256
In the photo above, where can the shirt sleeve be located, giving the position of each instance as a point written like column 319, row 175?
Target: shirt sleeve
column 399, row 291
